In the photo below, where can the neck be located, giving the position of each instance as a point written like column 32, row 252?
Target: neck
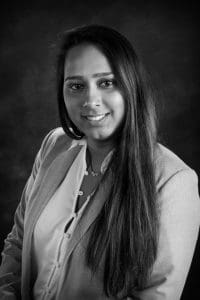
column 99, row 149
column 98, row 152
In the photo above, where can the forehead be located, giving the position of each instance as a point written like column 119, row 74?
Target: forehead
column 85, row 60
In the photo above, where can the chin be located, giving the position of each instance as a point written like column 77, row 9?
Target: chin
column 100, row 137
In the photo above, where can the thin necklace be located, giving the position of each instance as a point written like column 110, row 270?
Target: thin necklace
column 92, row 172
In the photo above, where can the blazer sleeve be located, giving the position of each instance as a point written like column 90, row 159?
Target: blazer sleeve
column 10, row 269
column 179, row 225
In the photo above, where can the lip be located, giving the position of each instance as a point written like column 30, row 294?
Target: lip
column 95, row 118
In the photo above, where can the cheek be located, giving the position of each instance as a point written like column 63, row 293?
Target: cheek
column 119, row 106
column 71, row 109
column 70, row 103
column 68, row 99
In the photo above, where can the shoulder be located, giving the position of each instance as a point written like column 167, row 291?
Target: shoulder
column 168, row 166
column 56, row 135
column 177, row 188
column 55, row 142
column 179, row 219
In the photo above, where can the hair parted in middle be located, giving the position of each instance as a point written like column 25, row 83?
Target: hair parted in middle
column 125, row 232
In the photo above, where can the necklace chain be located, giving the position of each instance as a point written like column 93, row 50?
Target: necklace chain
column 90, row 167
column 94, row 174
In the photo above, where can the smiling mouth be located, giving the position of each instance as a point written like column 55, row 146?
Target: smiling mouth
column 95, row 117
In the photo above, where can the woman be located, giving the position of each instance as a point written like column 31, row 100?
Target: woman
column 107, row 213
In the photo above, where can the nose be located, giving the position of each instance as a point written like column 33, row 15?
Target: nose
column 92, row 98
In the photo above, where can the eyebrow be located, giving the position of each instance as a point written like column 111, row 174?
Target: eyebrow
column 96, row 75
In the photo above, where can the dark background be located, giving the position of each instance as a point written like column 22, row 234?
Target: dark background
column 166, row 38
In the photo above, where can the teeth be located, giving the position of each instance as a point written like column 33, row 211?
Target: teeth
column 95, row 118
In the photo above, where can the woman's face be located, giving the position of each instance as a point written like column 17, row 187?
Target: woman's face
column 92, row 98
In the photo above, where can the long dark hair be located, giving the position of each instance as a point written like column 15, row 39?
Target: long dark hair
column 125, row 233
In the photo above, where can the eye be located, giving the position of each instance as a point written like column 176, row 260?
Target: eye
column 75, row 86
column 107, row 83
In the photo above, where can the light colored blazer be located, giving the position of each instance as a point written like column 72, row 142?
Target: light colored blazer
column 179, row 224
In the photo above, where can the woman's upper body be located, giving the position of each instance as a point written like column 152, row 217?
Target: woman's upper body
column 179, row 207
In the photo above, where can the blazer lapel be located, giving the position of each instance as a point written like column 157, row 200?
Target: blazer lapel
column 50, row 180
column 89, row 215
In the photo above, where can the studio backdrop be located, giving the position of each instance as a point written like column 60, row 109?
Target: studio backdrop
column 165, row 37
